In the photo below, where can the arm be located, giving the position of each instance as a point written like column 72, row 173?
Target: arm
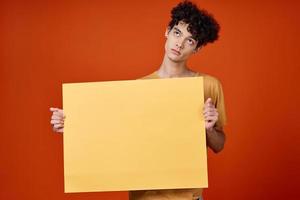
column 215, row 139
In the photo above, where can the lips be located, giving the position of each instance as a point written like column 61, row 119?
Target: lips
column 175, row 52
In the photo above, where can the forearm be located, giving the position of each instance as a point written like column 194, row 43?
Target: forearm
column 215, row 139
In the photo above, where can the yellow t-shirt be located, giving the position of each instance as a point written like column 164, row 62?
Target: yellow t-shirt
column 212, row 89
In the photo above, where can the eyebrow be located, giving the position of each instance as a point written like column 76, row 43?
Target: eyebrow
column 177, row 29
column 190, row 37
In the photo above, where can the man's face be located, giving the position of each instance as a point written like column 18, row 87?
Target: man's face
column 180, row 44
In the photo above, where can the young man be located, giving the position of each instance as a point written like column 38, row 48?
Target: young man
column 189, row 29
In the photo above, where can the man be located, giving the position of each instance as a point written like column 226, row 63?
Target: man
column 189, row 29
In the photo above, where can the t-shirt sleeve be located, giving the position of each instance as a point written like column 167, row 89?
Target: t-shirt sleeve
column 220, row 104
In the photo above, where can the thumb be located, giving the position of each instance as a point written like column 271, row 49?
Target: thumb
column 54, row 109
column 208, row 101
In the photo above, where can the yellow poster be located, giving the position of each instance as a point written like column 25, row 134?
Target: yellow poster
column 134, row 135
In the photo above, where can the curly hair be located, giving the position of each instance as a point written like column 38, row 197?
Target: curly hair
column 203, row 27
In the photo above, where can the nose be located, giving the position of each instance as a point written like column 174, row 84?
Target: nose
column 179, row 43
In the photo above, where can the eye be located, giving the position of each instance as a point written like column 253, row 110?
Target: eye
column 176, row 33
column 191, row 41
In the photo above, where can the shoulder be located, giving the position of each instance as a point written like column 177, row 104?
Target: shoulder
column 210, row 81
column 153, row 75
column 212, row 87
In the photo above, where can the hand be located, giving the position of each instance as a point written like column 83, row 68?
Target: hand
column 57, row 120
column 210, row 114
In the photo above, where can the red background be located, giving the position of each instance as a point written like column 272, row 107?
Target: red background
column 47, row 43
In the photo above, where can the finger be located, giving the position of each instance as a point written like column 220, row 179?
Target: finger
column 57, row 117
column 208, row 101
column 210, row 105
column 61, row 130
column 57, row 126
column 59, row 112
column 207, row 110
column 211, row 115
column 206, row 106
column 211, row 118
column 54, row 109
column 210, row 110
column 58, row 130
column 56, row 121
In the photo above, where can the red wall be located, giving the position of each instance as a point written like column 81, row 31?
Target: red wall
column 46, row 43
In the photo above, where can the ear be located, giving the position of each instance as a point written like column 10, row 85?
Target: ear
column 167, row 32
column 197, row 49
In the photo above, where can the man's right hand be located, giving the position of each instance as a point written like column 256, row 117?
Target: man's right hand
column 57, row 120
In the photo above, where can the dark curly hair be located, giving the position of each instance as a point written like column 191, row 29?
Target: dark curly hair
column 203, row 27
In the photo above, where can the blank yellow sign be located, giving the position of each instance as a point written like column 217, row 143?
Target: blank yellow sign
column 134, row 135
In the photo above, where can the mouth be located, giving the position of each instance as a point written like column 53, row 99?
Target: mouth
column 175, row 52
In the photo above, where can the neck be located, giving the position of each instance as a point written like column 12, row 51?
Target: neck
column 169, row 68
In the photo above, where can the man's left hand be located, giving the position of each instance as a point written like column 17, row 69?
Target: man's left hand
column 210, row 114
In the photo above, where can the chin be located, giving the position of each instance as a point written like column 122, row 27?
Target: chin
column 176, row 60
